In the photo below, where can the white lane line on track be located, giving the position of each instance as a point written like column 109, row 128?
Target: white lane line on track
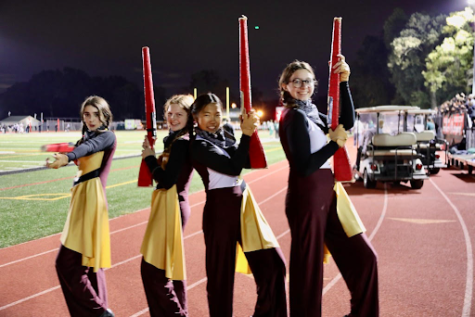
column 30, row 297
column 133, row 226
column 380, row 221
column 467, row 303
column 55, row 249
column 130, row 259
column 143, row 311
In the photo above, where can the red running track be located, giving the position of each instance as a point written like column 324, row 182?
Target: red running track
column 423, row 239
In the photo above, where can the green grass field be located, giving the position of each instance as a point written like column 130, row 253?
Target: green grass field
column 34, row 204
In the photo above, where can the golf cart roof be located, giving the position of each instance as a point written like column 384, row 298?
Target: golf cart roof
column 422, row 111
column 386, row 109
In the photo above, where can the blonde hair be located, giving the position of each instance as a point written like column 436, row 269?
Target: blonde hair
column 184, row 101
column 105, row 114
column 285, row 79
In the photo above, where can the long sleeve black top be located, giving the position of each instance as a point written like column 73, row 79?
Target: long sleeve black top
column 207, row 154
column 178, row 166
column 295, row 137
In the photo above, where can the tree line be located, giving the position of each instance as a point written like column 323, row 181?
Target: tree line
column 59, row 93
column 419, row 60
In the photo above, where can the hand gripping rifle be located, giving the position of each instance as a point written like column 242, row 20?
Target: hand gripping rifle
column 145, row 176
column 341, row 162
column 256, row 151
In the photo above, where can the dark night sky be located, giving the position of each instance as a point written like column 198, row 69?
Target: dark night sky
column 105, row 37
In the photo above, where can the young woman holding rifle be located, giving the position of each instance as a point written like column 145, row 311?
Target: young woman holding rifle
column 311, row 203
column 163, row 268
column 85, row 241
column 232, row 221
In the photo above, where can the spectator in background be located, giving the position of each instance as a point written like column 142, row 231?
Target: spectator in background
column 271, row 128
column 227, row 126
column 470, row 105
column 430, row 124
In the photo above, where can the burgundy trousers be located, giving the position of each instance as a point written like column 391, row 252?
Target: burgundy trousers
column 313, row 221
column 84, row 291
column 221, row 228
column 165, row 298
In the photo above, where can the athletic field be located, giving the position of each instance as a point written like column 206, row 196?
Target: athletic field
column 34, row 203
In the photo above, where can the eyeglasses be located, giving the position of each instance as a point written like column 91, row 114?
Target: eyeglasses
column 297, row 82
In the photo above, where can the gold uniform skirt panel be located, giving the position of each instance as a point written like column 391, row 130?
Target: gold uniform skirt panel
column 87, row 226
column 162, row 244
column 256, row 234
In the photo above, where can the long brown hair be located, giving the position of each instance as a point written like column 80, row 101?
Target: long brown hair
column 291, row 68
column 105, row 114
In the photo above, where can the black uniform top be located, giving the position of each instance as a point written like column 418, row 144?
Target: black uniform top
column 295, row 137
column 228, row 160
column 177, row 171
column 93, row 142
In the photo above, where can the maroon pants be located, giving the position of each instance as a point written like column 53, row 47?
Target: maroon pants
column 85, row 291
column 221, row 227
column 165, row 298
column 313, row 220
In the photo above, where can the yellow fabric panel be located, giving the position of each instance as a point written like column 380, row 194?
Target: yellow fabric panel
column 326, row 254
column 87, row 226
column 162, row 244
column 256, row 234
column 347, row 214
column 241, row 262
column 89, row 163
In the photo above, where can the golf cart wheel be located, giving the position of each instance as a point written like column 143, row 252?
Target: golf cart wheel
column 434, row 170
column 417, row 183
column 368, row 183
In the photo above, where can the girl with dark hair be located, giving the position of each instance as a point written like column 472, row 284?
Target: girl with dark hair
column 232, row 220
column 314, row 216
column 163, row 267
column 85, row 241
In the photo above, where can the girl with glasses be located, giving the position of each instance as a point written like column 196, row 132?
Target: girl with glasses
column 311, row 203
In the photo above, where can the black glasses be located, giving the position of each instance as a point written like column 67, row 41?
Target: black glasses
column 297, row 82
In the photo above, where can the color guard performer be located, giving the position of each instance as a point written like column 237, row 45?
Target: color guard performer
column 232, row 221
column 316, row 208
column 85, row 241
column 163, row 267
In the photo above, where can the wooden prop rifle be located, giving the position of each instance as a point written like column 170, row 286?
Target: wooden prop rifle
column 341, row 162
column 64, row 147
column 145, row 176
column 256, row 151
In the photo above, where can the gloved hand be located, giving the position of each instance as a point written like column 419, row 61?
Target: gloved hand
column 343, row 68
column 249, row 123
column 339, row 135
column 147, row 149
column 59, row 160
column 163, row 160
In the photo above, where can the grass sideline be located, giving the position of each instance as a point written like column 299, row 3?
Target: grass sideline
column 20, row 151
column 35, row 204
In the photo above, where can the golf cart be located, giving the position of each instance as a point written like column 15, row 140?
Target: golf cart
column 428, row 145
column 385, row 151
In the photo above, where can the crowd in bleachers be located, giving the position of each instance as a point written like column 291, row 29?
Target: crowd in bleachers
column 460, row 104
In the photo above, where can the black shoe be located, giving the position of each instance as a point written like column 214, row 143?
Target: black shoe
column 108, row 313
